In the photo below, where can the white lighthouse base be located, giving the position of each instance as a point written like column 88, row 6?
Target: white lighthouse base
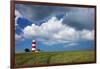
column 35, row 50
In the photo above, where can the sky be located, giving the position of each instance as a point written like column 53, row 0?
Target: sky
column 54, row 28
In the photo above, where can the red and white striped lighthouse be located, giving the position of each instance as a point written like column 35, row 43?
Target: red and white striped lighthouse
column 33, row 45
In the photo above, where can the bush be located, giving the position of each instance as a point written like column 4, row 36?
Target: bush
column 27, row 50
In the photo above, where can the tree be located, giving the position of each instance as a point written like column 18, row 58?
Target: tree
column 27, row 50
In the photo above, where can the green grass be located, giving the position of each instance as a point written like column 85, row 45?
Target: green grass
column 54, row 57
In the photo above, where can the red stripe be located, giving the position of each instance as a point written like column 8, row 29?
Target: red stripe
column 33, row 46
column 33, row 42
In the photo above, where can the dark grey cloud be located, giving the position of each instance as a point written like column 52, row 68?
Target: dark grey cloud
column 39, row 12
column 79, row 18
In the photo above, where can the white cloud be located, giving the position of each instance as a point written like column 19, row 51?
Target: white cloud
column 18, row 15
column 86, row 34
column 71, row 44
column 67, row 34
column 47, row 29
column 17, row 37
column 54, row 31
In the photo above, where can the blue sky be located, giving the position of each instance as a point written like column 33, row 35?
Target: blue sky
column 54, row 28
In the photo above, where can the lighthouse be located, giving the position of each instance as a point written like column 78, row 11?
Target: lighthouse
column 34, row 49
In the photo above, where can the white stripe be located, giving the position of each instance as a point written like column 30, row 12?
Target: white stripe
column 33, row 48
column 33, row 44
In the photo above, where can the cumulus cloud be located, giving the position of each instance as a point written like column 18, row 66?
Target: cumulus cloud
column 54, row 31
column 88, row 35
column 47, row 29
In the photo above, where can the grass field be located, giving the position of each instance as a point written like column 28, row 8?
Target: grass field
column 54, row 57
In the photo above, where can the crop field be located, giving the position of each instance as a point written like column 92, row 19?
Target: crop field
column 43, row 58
